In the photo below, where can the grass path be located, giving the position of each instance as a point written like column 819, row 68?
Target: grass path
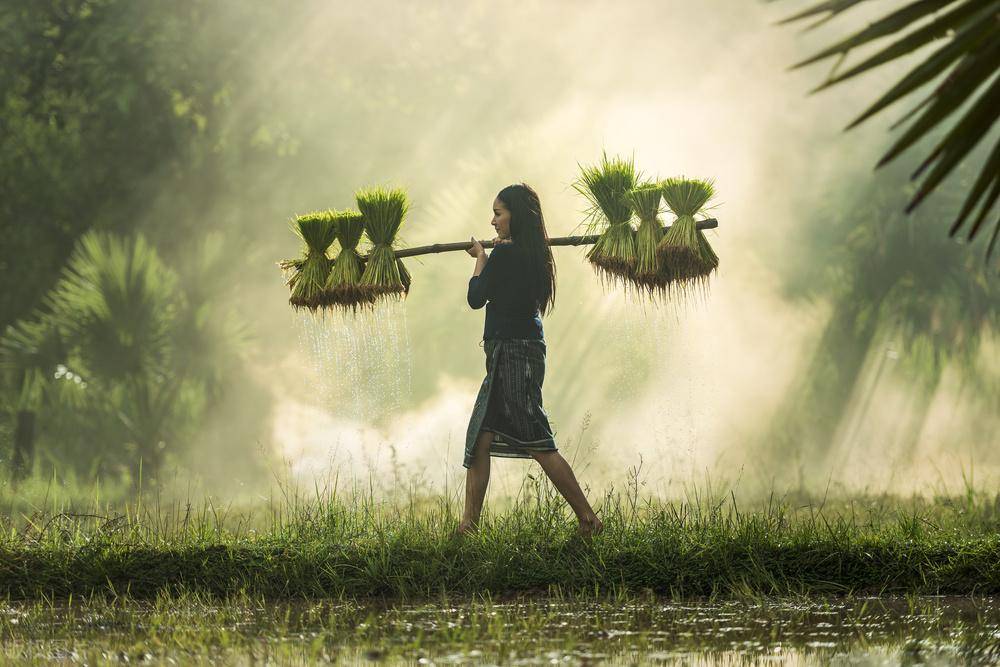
column 358, row 547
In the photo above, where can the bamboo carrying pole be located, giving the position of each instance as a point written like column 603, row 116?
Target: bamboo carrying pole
column 711, row 223
column 325, row 299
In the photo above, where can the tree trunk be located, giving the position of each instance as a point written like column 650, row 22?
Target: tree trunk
column 23, row 459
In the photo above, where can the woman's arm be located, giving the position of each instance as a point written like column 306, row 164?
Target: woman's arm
column 481, row 282
column 480, row 264
column 478, row 285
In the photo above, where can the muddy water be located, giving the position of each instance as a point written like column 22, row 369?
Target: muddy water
column 525, row 631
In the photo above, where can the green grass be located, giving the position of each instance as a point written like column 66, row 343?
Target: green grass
column 354, row 545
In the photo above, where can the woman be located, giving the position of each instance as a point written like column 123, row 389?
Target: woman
column 517, row 285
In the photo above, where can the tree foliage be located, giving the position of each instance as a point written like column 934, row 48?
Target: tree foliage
column 120, row 364
column 106, row 104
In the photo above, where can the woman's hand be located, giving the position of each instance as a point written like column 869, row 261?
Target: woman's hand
column 477, row 248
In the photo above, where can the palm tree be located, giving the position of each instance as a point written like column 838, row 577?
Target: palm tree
column 31, row 352
column 968, row 66
column 116, row 302
column 146, row 356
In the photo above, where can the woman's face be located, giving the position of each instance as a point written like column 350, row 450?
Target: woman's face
column 501, row 219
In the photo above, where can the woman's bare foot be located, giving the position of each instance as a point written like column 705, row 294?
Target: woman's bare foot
column 591, row 526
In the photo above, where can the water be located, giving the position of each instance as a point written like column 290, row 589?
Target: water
column 518, row 631
column 657, row 327
column 360, row 364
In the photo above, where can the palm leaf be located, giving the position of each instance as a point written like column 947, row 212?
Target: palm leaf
column 829, row 7
column 947, row 102
column 963, row 80
column 972, row 54
column 990, row 172
column 971, row 66
column 887, row 26
column 115, row 299
column 938, row 28
column 958, row 142
column 991, row 199
column 993, row 239
column 30, row 352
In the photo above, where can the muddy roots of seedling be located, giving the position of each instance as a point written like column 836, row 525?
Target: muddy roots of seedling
column 384, row 275
column 613, row 256
column 349, row 297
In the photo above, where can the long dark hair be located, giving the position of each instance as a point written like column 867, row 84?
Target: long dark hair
column 527, row 230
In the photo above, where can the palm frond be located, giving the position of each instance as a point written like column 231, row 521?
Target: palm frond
column 30, row 352
column 891, row 24
column 115, row 299
column 969, row 62
column 965, row 50
column 829, row 7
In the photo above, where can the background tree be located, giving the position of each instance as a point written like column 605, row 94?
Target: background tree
column 105, row 104
column 109, row 109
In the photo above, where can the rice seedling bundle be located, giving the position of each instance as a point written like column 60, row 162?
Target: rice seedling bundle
column 343, row 286
column 605, row 186
column 686, row 257
column 383, row 210
column 645, row 203
column 652, row 258
column 318, row 230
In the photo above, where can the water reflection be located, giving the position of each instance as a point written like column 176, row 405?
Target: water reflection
column 520, row 631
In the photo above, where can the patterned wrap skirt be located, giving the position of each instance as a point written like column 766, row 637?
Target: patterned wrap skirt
column 509, row 403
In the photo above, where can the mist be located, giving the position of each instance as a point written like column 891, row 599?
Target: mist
column 454, row 101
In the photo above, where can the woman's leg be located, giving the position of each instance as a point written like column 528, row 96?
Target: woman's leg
column 561, row 474
column 476, row 480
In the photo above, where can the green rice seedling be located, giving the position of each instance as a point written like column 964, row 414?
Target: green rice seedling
column 707, row 252
column 645, row 203
column 686, row 257
column 318, row 230
column 343, row 287
column 605, row 186
column 290, row 269
column 383, row 210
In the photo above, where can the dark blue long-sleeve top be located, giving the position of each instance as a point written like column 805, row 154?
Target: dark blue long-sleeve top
column 504, row 287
